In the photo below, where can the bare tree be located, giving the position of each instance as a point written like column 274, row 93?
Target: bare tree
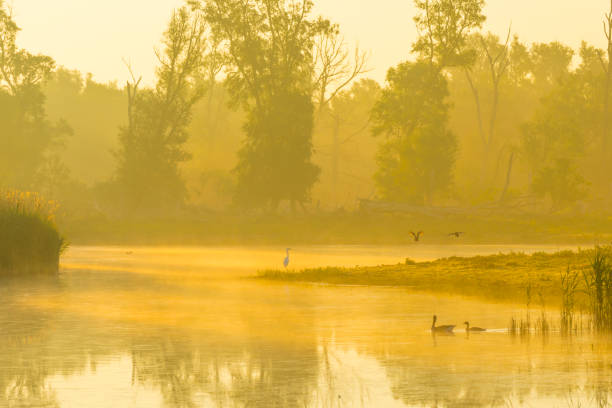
column 607, row 66
column 335, row 67
column 131, row 86
column 498, row 61
column 498, row 66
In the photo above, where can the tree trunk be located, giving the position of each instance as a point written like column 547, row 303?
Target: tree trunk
column 335, row 159
column 508, row 174
column 478, row 108
column 606, row 101
column 493, row 113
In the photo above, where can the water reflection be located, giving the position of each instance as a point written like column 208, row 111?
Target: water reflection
column 134, row 335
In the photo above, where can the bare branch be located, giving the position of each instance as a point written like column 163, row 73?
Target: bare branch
column 335, row 70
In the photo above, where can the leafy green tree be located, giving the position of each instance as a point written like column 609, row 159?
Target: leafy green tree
column 417, row 157
column 270, row 73
column 27, row 135
column 561, row 181
column 444, row 27
column 148, row 179
column 550, row 62
column 565, row 128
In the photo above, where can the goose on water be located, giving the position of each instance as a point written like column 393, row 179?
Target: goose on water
column 447, row 328
column 473, row 329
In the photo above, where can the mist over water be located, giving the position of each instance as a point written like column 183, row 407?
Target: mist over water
column 177, row 327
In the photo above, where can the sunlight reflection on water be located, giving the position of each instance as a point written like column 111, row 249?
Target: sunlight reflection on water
column 179, row 327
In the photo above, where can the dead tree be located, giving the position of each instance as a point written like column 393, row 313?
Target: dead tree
column 497, row 64
column 607, row 67
column 335, row 68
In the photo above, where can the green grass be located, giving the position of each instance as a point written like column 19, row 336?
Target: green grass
column 510, row 277
column 29, row 239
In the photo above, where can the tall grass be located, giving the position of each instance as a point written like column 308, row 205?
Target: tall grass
column 598, row 285
column 29, row 239
column 525, row 325
column 569, row 286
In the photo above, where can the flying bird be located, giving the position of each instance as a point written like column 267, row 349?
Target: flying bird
column 416, row 236
column 456, row 234
column 286, row 260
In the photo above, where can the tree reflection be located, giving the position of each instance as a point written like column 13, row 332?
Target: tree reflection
column 260, row 357
column 188, row 372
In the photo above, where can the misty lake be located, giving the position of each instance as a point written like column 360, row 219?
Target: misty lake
column 182, row 327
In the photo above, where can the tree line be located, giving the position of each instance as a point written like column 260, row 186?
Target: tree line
column 260, row 104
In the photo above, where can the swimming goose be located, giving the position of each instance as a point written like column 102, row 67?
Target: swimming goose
column 473, row 329
column 441, row 329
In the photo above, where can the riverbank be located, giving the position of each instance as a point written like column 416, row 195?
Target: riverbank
column 517, row 277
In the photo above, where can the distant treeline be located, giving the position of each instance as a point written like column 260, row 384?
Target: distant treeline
column 265, row 107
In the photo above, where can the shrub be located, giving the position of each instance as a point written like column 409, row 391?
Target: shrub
column 29, row 239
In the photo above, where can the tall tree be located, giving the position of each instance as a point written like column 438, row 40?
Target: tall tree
column 269, row 49
column 418, row 154
column 335, row 68
column 152, row 143
column 564, row 130
column 417, row 157
column 495, row 57
column 607, row 66
column 347, row 121
column 27, row 134
column 444, row 27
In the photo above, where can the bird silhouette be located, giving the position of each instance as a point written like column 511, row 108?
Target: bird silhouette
column 416, row 236
column 456, row 234
column 447, row 328
column 473, row 329
column 286, row 260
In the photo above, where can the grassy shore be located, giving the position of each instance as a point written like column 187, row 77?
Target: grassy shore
column 517, row 277
column 30, row 242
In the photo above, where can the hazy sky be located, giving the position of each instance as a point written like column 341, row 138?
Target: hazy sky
column 94, row 35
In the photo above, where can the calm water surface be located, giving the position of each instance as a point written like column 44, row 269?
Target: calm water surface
column 182, row 327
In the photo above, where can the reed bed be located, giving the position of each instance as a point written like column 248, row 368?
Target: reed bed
column 29, row 239
column 598, row 287
column 586, row 300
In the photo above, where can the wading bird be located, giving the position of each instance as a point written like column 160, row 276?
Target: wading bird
column 416, row 236
column 473, row 329
column 447, row 328
column 286, row 260
column 456, row 234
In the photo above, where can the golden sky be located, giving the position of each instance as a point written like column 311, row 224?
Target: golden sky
column 94, row 35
